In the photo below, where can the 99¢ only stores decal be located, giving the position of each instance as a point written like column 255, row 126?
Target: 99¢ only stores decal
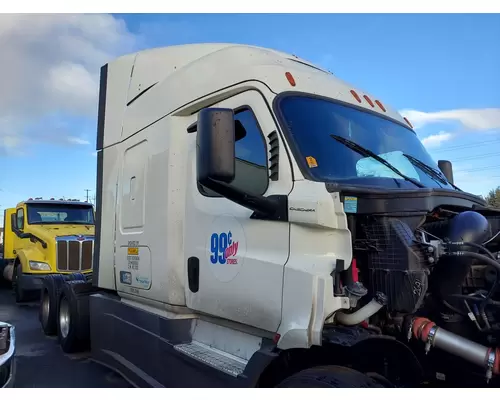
column 223, row 249
column 226, row 248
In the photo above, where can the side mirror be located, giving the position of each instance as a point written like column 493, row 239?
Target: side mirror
column 215, row 154
column 447, row 169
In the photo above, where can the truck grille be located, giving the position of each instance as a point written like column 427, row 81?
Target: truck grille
column 75, row 255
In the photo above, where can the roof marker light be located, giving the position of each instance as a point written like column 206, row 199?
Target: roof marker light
column 290, row 78
column 380, row 105
column 355, row 95
column 408, row 122
column 369, row 101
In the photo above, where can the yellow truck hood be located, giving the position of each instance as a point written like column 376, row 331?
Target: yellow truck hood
column 52, row 231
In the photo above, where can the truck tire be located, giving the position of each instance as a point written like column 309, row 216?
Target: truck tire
column 73, row 322
column 50, row 293
column 329, row 376
column 3, row 282
column 20, row 293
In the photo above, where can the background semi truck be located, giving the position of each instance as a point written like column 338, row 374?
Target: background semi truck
column 44, row 237
column 260, row 222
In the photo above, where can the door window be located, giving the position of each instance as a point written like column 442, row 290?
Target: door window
column 20, row 219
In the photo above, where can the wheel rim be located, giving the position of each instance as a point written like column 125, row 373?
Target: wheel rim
column 64, row 317
column 45, row 308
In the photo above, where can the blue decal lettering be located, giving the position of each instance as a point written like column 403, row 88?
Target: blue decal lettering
column 214, row 248
column 222, row 247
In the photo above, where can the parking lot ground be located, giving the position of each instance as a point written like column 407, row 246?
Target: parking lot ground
column 41, row 362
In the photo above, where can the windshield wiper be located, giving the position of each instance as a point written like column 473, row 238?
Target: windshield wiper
column 368, row 153
column 429, row 171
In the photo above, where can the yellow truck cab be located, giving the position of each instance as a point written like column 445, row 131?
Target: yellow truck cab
column 44, row 237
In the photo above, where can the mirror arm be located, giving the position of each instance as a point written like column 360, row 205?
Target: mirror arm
column 23, row 235
column 259, row 204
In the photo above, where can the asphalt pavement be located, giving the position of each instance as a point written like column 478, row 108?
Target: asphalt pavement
column 41, row 362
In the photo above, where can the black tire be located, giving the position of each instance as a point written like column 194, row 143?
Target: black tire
column 329, row 376
column 49, row 297
column 4, row 283
column 20, row 293
column 73, row 322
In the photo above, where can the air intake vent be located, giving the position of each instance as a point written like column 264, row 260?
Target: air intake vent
column 274, row 155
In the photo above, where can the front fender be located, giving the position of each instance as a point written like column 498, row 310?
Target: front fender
column 25, row 256
column 374, row 352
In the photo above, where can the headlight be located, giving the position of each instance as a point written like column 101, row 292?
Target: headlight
column 39, row 266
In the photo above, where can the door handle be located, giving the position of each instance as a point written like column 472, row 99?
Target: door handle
column 193, row 266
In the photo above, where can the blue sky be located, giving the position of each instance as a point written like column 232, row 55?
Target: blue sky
column 442, row 70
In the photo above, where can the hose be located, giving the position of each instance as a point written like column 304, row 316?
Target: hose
column 477, row 256
column 454, row 309
column 475, row 245
column 433, row 336
column 492, row 238
column 490, row 260
column 485, row 301
column 475, row 299
column 364, row 312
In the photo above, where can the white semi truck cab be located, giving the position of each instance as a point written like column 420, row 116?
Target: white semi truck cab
column 260, row 222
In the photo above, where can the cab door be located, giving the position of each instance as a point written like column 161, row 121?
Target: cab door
column 9, row 236
column 234, row 262
column 20, row 219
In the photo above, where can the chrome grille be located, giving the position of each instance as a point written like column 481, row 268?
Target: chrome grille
column 74, row 253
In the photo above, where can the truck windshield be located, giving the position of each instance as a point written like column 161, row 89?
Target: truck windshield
column 60, row 214
column 317, row 127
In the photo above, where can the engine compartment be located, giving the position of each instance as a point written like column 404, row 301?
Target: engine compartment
column 438, row 272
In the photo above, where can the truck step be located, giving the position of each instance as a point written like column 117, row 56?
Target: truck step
column 215, row 358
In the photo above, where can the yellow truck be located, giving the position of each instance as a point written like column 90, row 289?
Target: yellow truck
column 43, row 237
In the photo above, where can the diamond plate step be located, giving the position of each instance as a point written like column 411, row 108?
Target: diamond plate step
column 217, row 359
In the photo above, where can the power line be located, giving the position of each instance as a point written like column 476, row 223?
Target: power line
column 485, row 168
column 463, row 146
column 87, row 190
column 476, row 157
column 471, row 178
column 468, row 180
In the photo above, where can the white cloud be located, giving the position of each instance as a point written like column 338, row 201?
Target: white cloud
column 436, row 140
column 50, row 65
column 77, row 140
column 482, row 119
column 75, row 85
